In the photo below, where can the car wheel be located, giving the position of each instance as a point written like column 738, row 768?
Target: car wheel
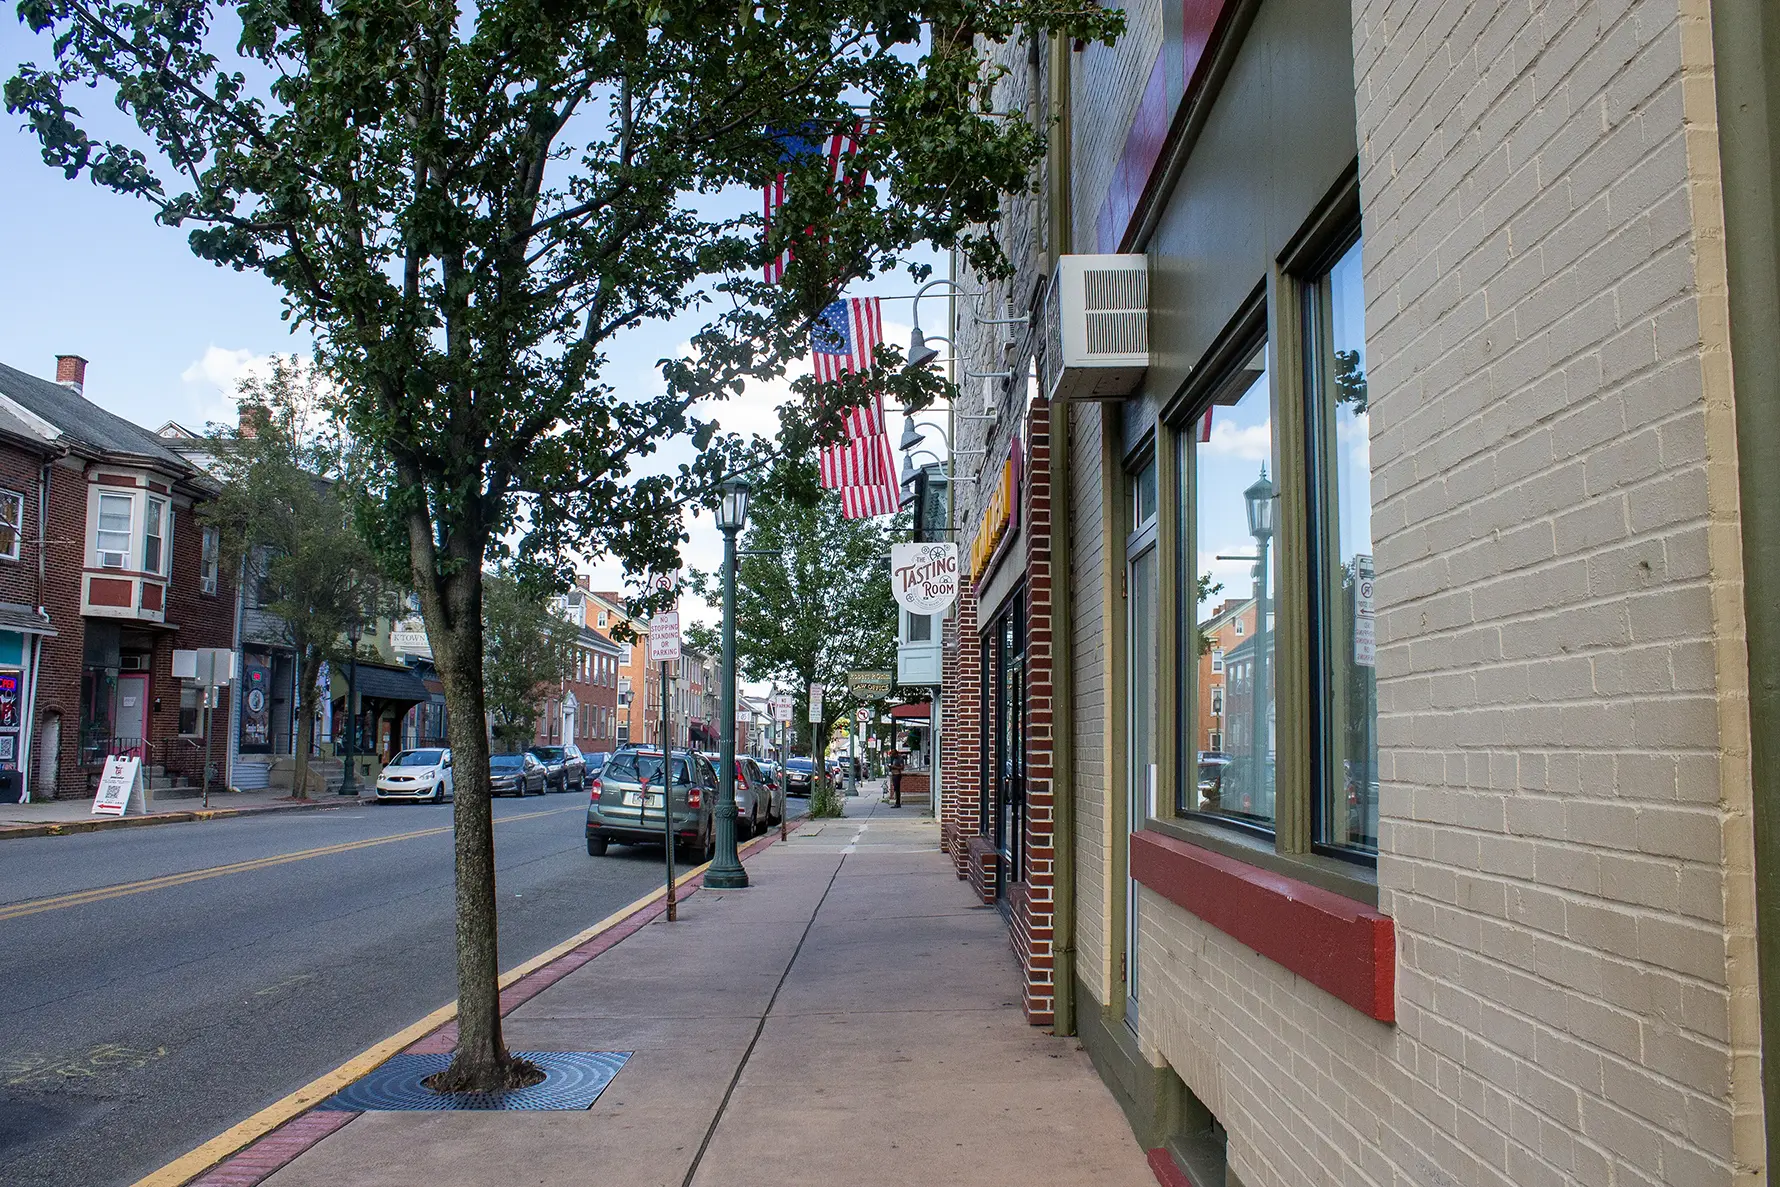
column 596, row 846
column 438, row 793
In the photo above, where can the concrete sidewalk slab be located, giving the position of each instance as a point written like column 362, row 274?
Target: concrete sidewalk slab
column 865, row 1011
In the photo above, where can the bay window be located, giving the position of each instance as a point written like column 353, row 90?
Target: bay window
column 117, row 518
column 154, row 525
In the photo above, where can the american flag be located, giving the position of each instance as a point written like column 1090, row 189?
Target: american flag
column 845, row 336
column 838, row 148
column 862, row 501
column 862, row 467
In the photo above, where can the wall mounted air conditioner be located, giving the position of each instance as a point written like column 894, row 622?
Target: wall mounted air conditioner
column 1097, row 327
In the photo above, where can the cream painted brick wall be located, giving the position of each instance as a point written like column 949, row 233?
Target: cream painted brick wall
column 1106, row 84
column 1088, row 658
column 1565, row 833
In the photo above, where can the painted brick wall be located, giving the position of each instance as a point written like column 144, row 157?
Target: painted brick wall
column 1564, row 756
column 1106, row 84
column 1089, row 708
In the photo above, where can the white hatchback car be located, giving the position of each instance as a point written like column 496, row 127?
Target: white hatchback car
column 417, row 775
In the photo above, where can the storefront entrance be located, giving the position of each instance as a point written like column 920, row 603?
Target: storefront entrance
column 1004, row 810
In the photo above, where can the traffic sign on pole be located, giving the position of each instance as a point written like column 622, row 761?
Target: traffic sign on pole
column 664, row 637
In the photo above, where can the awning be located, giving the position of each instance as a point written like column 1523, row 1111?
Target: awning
column 920, row 712
column 24, row 620
column 382, row 683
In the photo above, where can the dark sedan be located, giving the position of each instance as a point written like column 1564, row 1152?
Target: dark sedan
column 516, row 774
column 797, row 776
column 565, row 768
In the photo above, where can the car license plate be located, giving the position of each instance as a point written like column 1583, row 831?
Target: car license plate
column 634, row 799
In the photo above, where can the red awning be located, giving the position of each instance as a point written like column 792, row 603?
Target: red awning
column 920, row 712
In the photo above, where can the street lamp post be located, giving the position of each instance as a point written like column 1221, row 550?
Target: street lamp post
column 355, row 631
column 1259, row 500
column 726, row 872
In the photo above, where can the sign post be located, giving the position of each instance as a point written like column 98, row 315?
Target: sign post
column 782, row 705
column 664, row 649
column 816, row 741
column 210, row 668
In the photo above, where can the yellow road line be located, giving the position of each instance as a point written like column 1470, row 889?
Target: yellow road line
column 165, row 881
column 238, row 1137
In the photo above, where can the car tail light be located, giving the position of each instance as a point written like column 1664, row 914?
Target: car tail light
column 594, row 795
column 694, row 796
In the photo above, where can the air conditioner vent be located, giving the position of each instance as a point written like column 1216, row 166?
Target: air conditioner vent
column 1097, row 331
column 111, row 560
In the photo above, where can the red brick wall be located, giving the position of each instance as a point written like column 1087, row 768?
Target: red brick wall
column 960, row 762
column 58, row 687
column 1033, row 914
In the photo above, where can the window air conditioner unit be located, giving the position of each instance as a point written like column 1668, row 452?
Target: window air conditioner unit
column 132, row 663
column 1097, row 327
column 111, row 560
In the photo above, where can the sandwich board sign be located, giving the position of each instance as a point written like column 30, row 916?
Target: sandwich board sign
column 118, row 785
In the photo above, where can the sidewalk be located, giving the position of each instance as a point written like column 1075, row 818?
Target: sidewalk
column 52, row 817
column 850, row 1019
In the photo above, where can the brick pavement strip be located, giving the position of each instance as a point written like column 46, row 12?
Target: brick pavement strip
column 266, row 1155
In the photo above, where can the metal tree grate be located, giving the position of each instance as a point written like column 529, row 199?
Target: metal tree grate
column 572, row 1080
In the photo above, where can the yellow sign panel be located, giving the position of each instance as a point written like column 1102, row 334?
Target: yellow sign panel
column 1001, row 514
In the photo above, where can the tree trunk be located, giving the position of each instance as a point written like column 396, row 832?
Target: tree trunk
column 308, row 677
column 454, row 627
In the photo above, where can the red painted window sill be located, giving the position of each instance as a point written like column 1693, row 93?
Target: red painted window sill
column 1333, row 942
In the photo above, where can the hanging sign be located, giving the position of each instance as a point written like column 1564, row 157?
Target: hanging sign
column 816, row 704
column 118, row 785
column 1365, row 633
column 1000, row 517
column 869, row 686
column 924, row 577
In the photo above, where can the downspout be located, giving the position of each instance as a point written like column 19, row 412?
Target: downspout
column 1062, row 653
column 1746, row 56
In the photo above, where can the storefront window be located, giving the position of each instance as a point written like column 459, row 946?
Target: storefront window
column 1347, row 700
column 1234, row 515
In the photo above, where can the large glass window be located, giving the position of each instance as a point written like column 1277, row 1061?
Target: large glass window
column 1230, row 649
column 1341, row 489
column 12, row 522
column 209, row 553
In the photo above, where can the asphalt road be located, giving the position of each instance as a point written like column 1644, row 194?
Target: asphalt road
column 138, row 1021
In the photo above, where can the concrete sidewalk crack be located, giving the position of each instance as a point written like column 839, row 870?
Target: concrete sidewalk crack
column 759, row 1027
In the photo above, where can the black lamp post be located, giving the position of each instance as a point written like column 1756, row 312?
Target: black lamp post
column 1259, row 498
column 726, row 872
column 355, row 630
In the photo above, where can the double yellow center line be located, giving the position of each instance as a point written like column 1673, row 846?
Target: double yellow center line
column 81, row 898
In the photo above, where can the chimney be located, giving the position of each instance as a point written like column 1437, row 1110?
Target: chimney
column 71, row 371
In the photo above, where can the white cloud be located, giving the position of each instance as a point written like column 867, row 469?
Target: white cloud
column 221, row 372
column 1253, row 442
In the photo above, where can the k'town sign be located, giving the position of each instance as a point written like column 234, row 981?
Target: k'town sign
column 924, row 577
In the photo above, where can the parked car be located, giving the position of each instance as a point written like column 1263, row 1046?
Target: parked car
column 596, row 762
column 516, row 774
column 417, row 775
column 768, row 790
column 753, row 798
column 625, row 803
column 797, row 776
column 564, row 768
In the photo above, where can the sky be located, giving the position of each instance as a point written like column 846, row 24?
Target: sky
column 167, row 336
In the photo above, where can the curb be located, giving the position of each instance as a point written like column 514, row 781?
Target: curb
column 63, row 828
column 250, row 1152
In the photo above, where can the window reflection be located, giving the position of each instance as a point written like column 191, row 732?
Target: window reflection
column 1235, row 515
column 1348, row 815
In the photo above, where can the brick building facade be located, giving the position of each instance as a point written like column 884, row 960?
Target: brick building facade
column 112, row 572
column 1457, row 878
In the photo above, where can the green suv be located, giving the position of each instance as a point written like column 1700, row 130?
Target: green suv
column 624, row 803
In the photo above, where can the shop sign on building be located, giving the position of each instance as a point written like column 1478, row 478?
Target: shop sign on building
column 408, row 636
column 924, row 577
column 1000, row 517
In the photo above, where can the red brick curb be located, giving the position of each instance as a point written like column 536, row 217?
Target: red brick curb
column 62, row 828
column 260, row 1160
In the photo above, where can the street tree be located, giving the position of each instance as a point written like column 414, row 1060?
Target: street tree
column 469, row 207
column 282, row 522
column 813, row 598
column 526, row 648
